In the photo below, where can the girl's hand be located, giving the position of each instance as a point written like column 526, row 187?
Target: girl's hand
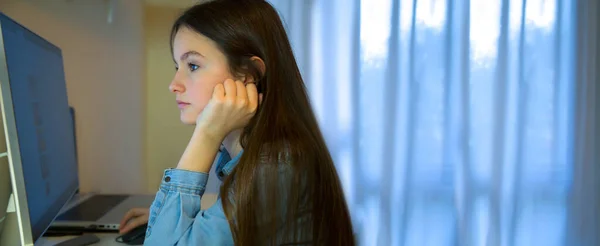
column 134, row 218
column 231, row 107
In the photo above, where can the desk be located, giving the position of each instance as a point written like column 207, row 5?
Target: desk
column 106, row 239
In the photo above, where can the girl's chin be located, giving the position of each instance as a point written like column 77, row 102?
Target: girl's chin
column 186, row 119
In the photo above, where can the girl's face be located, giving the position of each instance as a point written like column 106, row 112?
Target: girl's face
column 200, row 66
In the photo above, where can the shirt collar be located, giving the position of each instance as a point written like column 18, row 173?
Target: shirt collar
column 225, row 163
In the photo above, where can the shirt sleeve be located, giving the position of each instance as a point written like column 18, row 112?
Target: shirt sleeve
column 176, row 216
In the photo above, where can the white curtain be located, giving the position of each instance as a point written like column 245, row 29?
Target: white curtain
column 452, row 122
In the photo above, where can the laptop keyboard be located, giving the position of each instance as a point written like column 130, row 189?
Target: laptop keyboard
column 93, row 208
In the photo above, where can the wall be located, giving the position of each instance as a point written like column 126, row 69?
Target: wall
column 104, row 68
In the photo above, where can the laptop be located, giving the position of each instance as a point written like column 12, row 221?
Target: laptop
column 95, row 211
column 92, row 212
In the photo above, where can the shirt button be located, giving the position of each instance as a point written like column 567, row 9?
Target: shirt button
column 167, row 179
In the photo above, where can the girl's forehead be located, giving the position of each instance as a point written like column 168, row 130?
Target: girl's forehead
column 188, row 40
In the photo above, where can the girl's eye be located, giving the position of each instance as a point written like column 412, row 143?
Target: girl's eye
column 193, row 67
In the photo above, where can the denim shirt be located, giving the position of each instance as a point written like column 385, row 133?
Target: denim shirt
column 176, row 217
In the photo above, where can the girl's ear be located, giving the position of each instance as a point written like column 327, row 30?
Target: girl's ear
column 258, row 63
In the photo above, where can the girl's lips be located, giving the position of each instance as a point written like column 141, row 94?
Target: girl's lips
column 182, row 104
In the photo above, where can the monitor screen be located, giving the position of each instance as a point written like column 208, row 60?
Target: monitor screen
column 43, row 124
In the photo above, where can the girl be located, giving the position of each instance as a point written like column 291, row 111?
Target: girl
column 238, row 82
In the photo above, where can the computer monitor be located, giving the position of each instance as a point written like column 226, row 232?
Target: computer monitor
column 37, row 126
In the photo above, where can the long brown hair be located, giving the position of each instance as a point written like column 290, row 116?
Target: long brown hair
column 285, row 189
